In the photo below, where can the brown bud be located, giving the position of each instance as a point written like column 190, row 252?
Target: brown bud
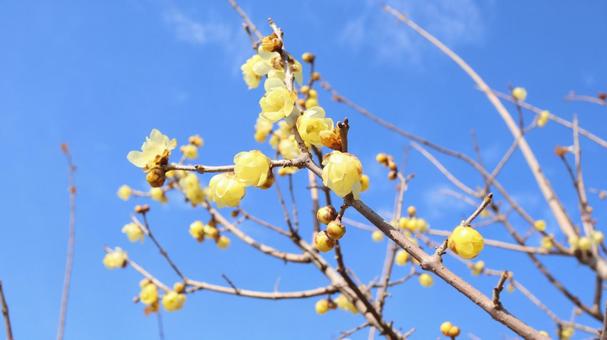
column 301, row 102
column 392, row 165
column 195, row 140
column 326, row 214
column 315, row 76
column 602, row 96
column 142, row 209
column 304, row 89
column 392, row 175
column 271, row 43
column 561, row 151
column 235, row 213
column 179, row 287
column 156, row 177
column 308, row 57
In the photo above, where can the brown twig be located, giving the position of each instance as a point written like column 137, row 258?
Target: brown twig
column 71, row 243
column 6, row 314
column 498, row 289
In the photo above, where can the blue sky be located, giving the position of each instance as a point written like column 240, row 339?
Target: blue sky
column 100, row 75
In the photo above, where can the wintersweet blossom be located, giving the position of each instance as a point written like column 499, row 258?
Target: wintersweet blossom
column 252, row 167
column 277, row 103
column 197, row 231
column 155, row 147
column 543, row 118
column 342, row 173
column 312, row 123
column 519, row 93
column 226, row 190
column 323, row 242
column 173, row 301
column 425, row 280
column 401, row 257
column 133, row 232
column 322, row 306
column 149, row 293
column 115, row 259
column 124, row 192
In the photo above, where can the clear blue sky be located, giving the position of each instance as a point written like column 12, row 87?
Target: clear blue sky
column 99, row 75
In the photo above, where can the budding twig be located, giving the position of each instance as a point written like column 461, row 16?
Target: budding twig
column 498, row 289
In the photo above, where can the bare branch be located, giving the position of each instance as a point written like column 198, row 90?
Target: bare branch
column 6, row 314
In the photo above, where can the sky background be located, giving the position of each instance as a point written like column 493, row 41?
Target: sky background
column 100, row 75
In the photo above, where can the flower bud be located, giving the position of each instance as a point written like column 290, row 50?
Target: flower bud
column 133, row 232
column 197, row 231
column 326, row 214
column 115, row 259
column 124, row 192
column 411, row 211
column 322, row 306
column 377, row 236
column 466, row 242
column 271, row 43
column 179, row 287
column 189, row 151
column 173, row 301
column 401, row 257
column 539, row 225
column 584, row 243
column 364, row 183
column 425, row 280
column 315, row 76
column 381, row 158
column 222, row 242
column 196, row 140
column 155, row 177
column 519, row 94
column 445, row 327
column 322, row 242
column 148, row 294
column 308, row 57
column 335, row 230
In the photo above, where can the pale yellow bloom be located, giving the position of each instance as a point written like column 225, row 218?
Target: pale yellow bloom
column 585, row 243
column 377, row 236
column 252, row 167
column 478, row 267
column 263, row 127
column 322, row 306
column 148, row 294
column 543, row 118
column 519, row 93
column 323, row 242
column 466, row 242
column 133, row 232
column 173, row 301
column 312, row 123
column 341, row 173
column 197, row 231
column 288, row 148
column 124, row 192
column 226, row 190
column 115, row 259
column 277, row 103
column 326, row 214
column 189, row 151
column 345, row 304
column 157, row 194
column 401, row 257
column 546, row 243
column 211, row 231
column 426, row 280
column 223, row 242
column 567, row 333
column 445, row 327
column 539, row 225
column 190, row 185
column 254, row 69
column 311, row 102
column 155, row 145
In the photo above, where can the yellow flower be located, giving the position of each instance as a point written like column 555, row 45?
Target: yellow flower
column 322, row 306
column 377, row 236
column 335, row 230
column 519, row 93
column 567, row 333
column 323, row 242
column 445, row 327
column 478, row 267
column 364, row 183
column 190, row 186
column 277, row 103
column 546, row 242
column 466, row 242
column 311, row 102
column 156, row 145
column 312, row 123
column 197, row 231
column 425, row 280
column 223, row 242
column 297, row 71
column 597, row 236
column 133, row 232
column 341, row 173
column 124, row 192
column 210, row 231
column 262, row 129
column 148, row 294
column 189, row 151
column 115, row 259
column 345, row 304
column 539, row 225
column 226, row 190
column 288, row 148
column 251, row 167
column 584, row 243
column 543, row 118
column 173, row 301
column 255, row 68
column 157, row 194
column 401, row 257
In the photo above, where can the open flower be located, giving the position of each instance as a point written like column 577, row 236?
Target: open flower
column 115, row 259
column 156, row 147
column 251, row 78
column 312, row 123
column 149, row 293
column 133, row 232
column 226, row 190
column 173, row 301
column 190, row 185
column 278, row 102
column 342, row 173
column 251, row 167
column 466, row 242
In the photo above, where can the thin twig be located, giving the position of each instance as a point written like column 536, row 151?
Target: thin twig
column 6, row 314
column 71, row 243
